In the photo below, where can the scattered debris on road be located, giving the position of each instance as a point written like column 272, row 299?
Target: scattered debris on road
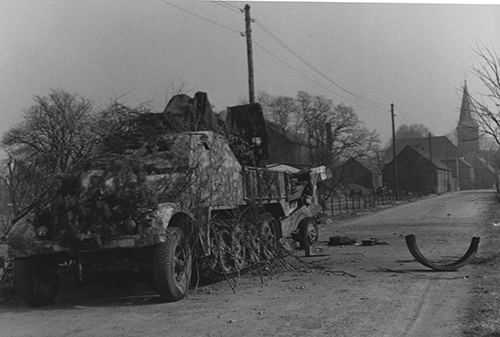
column 341, row 240
column 372, row 242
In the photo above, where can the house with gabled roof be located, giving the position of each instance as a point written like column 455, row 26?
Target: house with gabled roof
column 419, row 173
column 359, row 171
column 443, row 149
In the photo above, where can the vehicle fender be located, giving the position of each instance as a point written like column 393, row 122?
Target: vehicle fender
column 292, row 222
column 171, row 213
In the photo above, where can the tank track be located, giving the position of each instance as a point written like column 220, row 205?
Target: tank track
column 239, row 244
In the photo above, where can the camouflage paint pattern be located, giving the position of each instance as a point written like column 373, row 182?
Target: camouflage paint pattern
column 290, row 223
column 23, row 241
column 197, row 172
column 207, row 175
column 211, row 179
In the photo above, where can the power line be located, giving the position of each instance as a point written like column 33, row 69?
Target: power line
column 294, row 53
column 308, row 77
column 201, row 17
column 303, row 74
column 229, row 6
column 293, row 68
column 402, row 120
column 401, row 115
column 257, row 44
column 285, row 46
column 282, row 43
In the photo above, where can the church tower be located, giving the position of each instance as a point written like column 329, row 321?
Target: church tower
column 467, row 128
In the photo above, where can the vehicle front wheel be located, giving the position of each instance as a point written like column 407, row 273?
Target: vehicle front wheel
column 172, row 265
column 308, row 232
column 36, row 280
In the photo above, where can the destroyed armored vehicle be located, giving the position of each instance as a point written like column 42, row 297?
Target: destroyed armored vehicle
column 159, row 210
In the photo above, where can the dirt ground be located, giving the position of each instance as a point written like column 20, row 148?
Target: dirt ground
column 384, row 292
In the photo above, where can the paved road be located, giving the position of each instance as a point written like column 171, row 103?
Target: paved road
column 390, row 295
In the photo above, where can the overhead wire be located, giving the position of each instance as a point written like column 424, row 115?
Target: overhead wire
column 372, row 104
column 285, row 46
column 294, row 53
column 201, row 17
column 309, row 77
column 296, row 70
column 400, row 115
column 229, row 6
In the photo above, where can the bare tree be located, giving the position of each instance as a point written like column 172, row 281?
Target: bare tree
column 315, row 117
column 416, row 130
column 54, row 138
column 332, row 132
column 22, row 184
column 56, row 133
column 280, row 109
column 486, row 107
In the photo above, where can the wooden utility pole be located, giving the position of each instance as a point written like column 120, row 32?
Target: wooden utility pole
column 431, row 164
column 394, row 159
column 448, row 188
column 248, row 34
column 457, row 162
column 430, row 146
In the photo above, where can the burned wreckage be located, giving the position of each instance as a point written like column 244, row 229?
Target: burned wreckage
column 183, row 193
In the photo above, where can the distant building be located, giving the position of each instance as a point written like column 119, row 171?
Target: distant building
column 358, row 171
column 418, row 173
column 441, row 147
column 444, row 150
column 485, row 174
column 469, row 168
column 467, row 175
column 285, row 147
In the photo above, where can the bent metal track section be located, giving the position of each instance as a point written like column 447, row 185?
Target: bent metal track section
column 411, row 243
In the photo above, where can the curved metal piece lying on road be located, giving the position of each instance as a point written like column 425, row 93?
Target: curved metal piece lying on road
column 411, row 243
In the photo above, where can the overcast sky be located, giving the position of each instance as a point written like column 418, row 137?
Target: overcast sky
column 414, row 55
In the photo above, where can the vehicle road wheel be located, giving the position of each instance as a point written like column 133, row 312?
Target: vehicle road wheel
column 254, row 246
column 225, row 251
column 172, row 266
column 36, row 281
column 268, row 240
column 308, row 232
column 239, row 250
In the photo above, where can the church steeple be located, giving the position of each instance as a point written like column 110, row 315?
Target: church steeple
column 466, row 110
column 467, row 128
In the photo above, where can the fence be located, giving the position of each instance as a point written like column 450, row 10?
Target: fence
column 334, row 206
